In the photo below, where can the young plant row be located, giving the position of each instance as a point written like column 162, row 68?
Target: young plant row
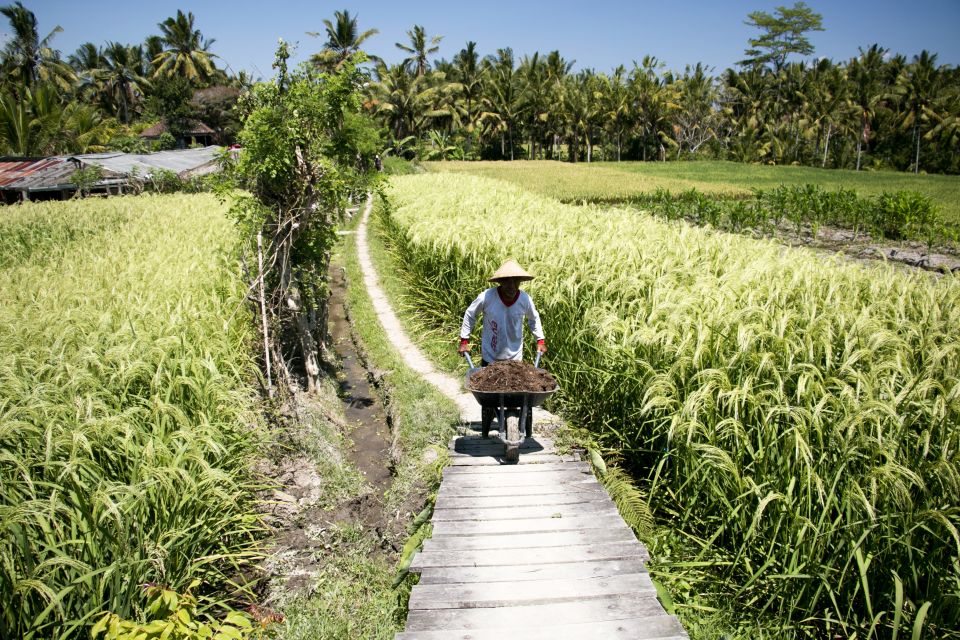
column 127, row 424
column 903, row 215
column 793, row 417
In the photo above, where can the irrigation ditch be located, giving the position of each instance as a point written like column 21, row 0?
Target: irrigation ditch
column 336, row 472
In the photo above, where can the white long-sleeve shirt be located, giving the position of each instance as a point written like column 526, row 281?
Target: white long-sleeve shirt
column 502, row 337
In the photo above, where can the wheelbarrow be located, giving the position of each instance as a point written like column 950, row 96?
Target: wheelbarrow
column 511, row 408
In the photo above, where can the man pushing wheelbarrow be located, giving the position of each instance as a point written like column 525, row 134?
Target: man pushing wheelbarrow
column 504, row 309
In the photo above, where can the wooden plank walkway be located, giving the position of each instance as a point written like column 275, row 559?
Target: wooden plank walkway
column 530, row 551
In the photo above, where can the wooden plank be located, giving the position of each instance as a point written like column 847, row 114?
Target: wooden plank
column 526, row 512
column 529, row 540
column 529, row 616
column 466, row 443
column 520, row 500
column 517, row 572
column 493, row 489
column 610, row 520
column 511, row 594
column 647, row 628
column 529, row 483
column 460, row 460
column 548, row 555
column 582, row 467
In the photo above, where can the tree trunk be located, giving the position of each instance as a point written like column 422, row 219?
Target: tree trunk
column 826, row 146
column 308, row 346
column 859, row 150
column 916, row 160
column 263, row 314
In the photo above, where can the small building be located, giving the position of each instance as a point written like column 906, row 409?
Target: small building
column 197, row 133
column 50, row 178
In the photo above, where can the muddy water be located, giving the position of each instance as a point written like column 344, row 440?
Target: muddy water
column 364, row 412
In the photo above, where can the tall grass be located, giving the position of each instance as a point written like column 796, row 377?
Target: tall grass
column 794, row 417
column 125, row 422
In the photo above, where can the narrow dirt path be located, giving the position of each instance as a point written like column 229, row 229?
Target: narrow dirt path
column 415, row 359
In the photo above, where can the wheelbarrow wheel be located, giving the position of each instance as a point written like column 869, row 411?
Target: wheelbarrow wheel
column 486, row 419
column 513, row 439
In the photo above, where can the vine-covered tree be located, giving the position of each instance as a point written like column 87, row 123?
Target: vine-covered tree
column 304, row 150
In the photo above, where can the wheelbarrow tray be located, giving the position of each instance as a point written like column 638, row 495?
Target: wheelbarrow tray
column 509, row 399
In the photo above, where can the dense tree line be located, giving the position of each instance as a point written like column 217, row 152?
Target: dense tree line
column 101, row 97
column 876, row 110
column 879, row 109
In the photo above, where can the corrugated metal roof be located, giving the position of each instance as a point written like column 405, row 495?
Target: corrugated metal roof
column 12, row 171
column 181, row 161
column 47, row 174
column 44, row 174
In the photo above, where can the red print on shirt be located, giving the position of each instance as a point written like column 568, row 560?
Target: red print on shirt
column 493, row 338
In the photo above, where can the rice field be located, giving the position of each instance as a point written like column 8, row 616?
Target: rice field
column 793, row 418
column 126, row 421
column 624, row 181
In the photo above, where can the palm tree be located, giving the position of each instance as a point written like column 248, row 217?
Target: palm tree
column 27, row 58
column 419, row 49
column 864, row 72
column 402, row 99
column 535, row 93
column 186, row 52
column 343, row 40
column 746, row 96
column 39, row 123
column 654, row 101
column 617, row 107
column 557, row 68
column 467, row 72
column 120, row 77
column 829, row 104
column 502, row 100
column 152, row 48
column 916, row 89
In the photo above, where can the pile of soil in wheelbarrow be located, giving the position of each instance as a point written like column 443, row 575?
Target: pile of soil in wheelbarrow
column 512, row 376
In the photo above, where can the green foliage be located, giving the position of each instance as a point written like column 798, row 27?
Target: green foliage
column 392, row 165
column 173, row 616
column 164, row 142
column 85, row 178
column 169, row 101
column 129, row 143
column 783, row 35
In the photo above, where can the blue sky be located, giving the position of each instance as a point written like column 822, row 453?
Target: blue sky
column 598, row 34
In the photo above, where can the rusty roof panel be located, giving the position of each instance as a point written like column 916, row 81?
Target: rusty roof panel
column 41, row 175
column 12, row 171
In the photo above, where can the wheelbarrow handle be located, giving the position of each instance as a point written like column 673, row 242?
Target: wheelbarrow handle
column 536, row 362
column 469, row 359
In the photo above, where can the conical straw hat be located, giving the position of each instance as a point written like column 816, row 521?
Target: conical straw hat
column 510, row 269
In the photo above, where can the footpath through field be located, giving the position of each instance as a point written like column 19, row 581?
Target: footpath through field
column 529, row 550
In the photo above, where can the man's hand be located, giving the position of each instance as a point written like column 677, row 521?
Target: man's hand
column 463, row 348
column 541, row 347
